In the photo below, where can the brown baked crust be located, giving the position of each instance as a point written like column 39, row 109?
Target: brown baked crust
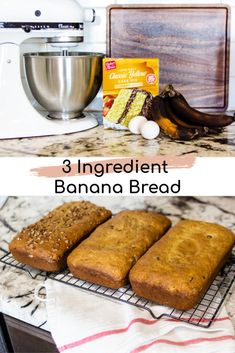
column 177, row 270
column 106, row 257
column 45, row 244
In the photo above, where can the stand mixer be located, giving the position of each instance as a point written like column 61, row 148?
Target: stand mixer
column 56, row 23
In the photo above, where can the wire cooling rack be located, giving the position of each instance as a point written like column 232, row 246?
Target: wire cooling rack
column 201, row 315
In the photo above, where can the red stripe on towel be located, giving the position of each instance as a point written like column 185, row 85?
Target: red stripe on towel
column 182, row 343
column 106, row 333
column 121, row 330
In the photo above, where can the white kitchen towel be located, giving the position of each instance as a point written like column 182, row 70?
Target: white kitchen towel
column 82, row 322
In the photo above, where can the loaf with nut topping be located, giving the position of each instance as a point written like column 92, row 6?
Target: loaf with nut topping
column 178, row 269
column 106, row 257
column 46, row 244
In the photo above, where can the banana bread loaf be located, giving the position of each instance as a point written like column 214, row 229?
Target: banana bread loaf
column 107, row 256
column 45, row 244
column 178, row 269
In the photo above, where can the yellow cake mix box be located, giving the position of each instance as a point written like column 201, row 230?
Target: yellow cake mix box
column 129, row 86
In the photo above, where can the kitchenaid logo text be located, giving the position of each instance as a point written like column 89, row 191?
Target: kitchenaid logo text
column 128, row 186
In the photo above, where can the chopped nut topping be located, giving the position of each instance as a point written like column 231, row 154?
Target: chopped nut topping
column 54, row 232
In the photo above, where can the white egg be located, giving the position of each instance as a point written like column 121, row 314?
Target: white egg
column 135, row 124
column 149, row 130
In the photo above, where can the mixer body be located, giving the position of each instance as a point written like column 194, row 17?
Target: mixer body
column 58, row 23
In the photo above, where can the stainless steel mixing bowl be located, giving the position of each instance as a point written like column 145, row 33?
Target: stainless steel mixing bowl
column 64, row 84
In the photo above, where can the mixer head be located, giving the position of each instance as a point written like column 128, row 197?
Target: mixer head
column 60, row 21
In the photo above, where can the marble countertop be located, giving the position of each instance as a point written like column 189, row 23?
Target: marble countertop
column 17, row 287
column 105, row 142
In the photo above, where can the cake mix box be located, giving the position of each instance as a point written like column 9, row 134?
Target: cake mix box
column 129, row 86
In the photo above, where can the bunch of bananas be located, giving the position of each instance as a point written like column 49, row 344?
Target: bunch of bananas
column 178, row 120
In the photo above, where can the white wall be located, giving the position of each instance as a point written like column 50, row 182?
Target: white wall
column 95, row 34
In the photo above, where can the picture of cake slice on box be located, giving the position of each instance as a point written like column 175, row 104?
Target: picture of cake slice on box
column 128, row 104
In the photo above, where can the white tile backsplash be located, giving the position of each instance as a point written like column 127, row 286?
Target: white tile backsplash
column 231, row 105
column 96, row 32
column 228, row 2
column 96, row 3
column 232, row 33
column 232, row 59
column 92, row 47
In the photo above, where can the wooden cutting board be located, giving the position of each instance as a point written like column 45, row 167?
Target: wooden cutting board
column 191, row 41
